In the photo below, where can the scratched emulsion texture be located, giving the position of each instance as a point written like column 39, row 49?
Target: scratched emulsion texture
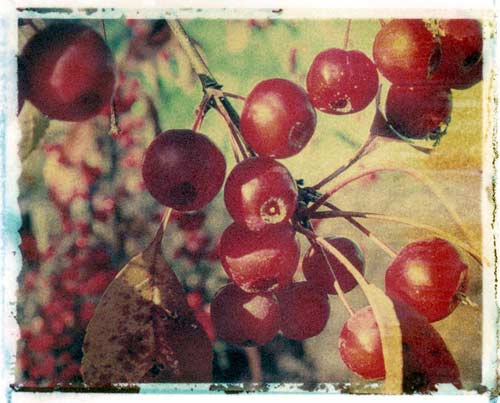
column 66, row 224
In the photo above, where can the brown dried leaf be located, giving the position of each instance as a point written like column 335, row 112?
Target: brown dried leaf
column 143, row 329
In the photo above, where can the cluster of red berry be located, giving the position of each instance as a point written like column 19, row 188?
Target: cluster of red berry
column 184, row 170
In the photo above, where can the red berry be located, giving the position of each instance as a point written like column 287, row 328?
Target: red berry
column 419, row 111
column 70, row 72
column 426, row 359
column 428, row 275
column 191, row 221
column 262, row 260
column 461, row 53
column 195, row 300
column 183, row 169
column 316, row 269
column 278, row 119
column 44, row 369
column 406, row 52
column 41, row 343
column 244, row 319
column 260, row 192
column 341, row 82
column 304, row 310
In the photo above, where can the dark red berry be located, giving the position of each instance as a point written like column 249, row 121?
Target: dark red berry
column 316, row 269
column 341, row 82
column 426, row 359
column 278, row 119
column 461, row 53
column 406, row 52
column 70, row 72
column 420, row 111
column 304, row 310
column 428, row 275
column 183, row 169
column 259, row 260
column 260, row 192
column 195, row 300
column 244, row 319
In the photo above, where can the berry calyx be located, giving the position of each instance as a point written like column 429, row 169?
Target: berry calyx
column 340, row 82
column 259, row 260
column 428, row 275
column 260, row 192
column 304, row 310
column 278, row 119
column 244, row 319
column 406, row 52
column 316, row 267
column 183, row 169
column 69, row 71
column 426, row 359
column 420, row 111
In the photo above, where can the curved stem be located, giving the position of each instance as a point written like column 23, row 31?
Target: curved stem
column 114, row 129
column 433, row 187
column 365, row 149
column 381, row 22
column 200, row 113
column 235, row 96
column 402, row 220
column 375, row 239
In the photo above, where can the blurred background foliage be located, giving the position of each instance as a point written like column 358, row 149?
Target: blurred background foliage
column 86, row 213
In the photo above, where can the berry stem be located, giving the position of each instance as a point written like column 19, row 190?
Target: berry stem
column 235, row 96
column 254, row 363
column 402, row 220
column 365, row 149
column 336, row 284
column 342, row 297
column 153, row 113
column 425, row 180
column 375, row 239
column 346, row 35
column 381, row 22
column 200, row 113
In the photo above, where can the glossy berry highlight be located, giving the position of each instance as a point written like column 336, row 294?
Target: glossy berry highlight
column 259, row 260
column 406, row 52
column 183, row 169
column 260, row 192
column 244, row 319
column 304, row 310
column 341, row 82
column 69, row 71
column 426, row 358
column 428, row 275
column 318, row 270
column 278, row 119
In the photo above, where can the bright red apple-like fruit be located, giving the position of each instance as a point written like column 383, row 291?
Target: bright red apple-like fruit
column 420, row 111
column 259, row 260
column 429, row 275
column 278, row 119
column 406, row 52
column 340, row 82
column 69, row 71
column 426, row 359
column 304, row 310
column 183, row 169
column 461, row 63
column 244, row 319
column 260, row 192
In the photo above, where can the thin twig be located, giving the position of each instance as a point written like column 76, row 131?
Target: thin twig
column 235, row 96
column 114, row 129
column 402, row 220
column 364, row 150
column 374, row 238
column 346, row 35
